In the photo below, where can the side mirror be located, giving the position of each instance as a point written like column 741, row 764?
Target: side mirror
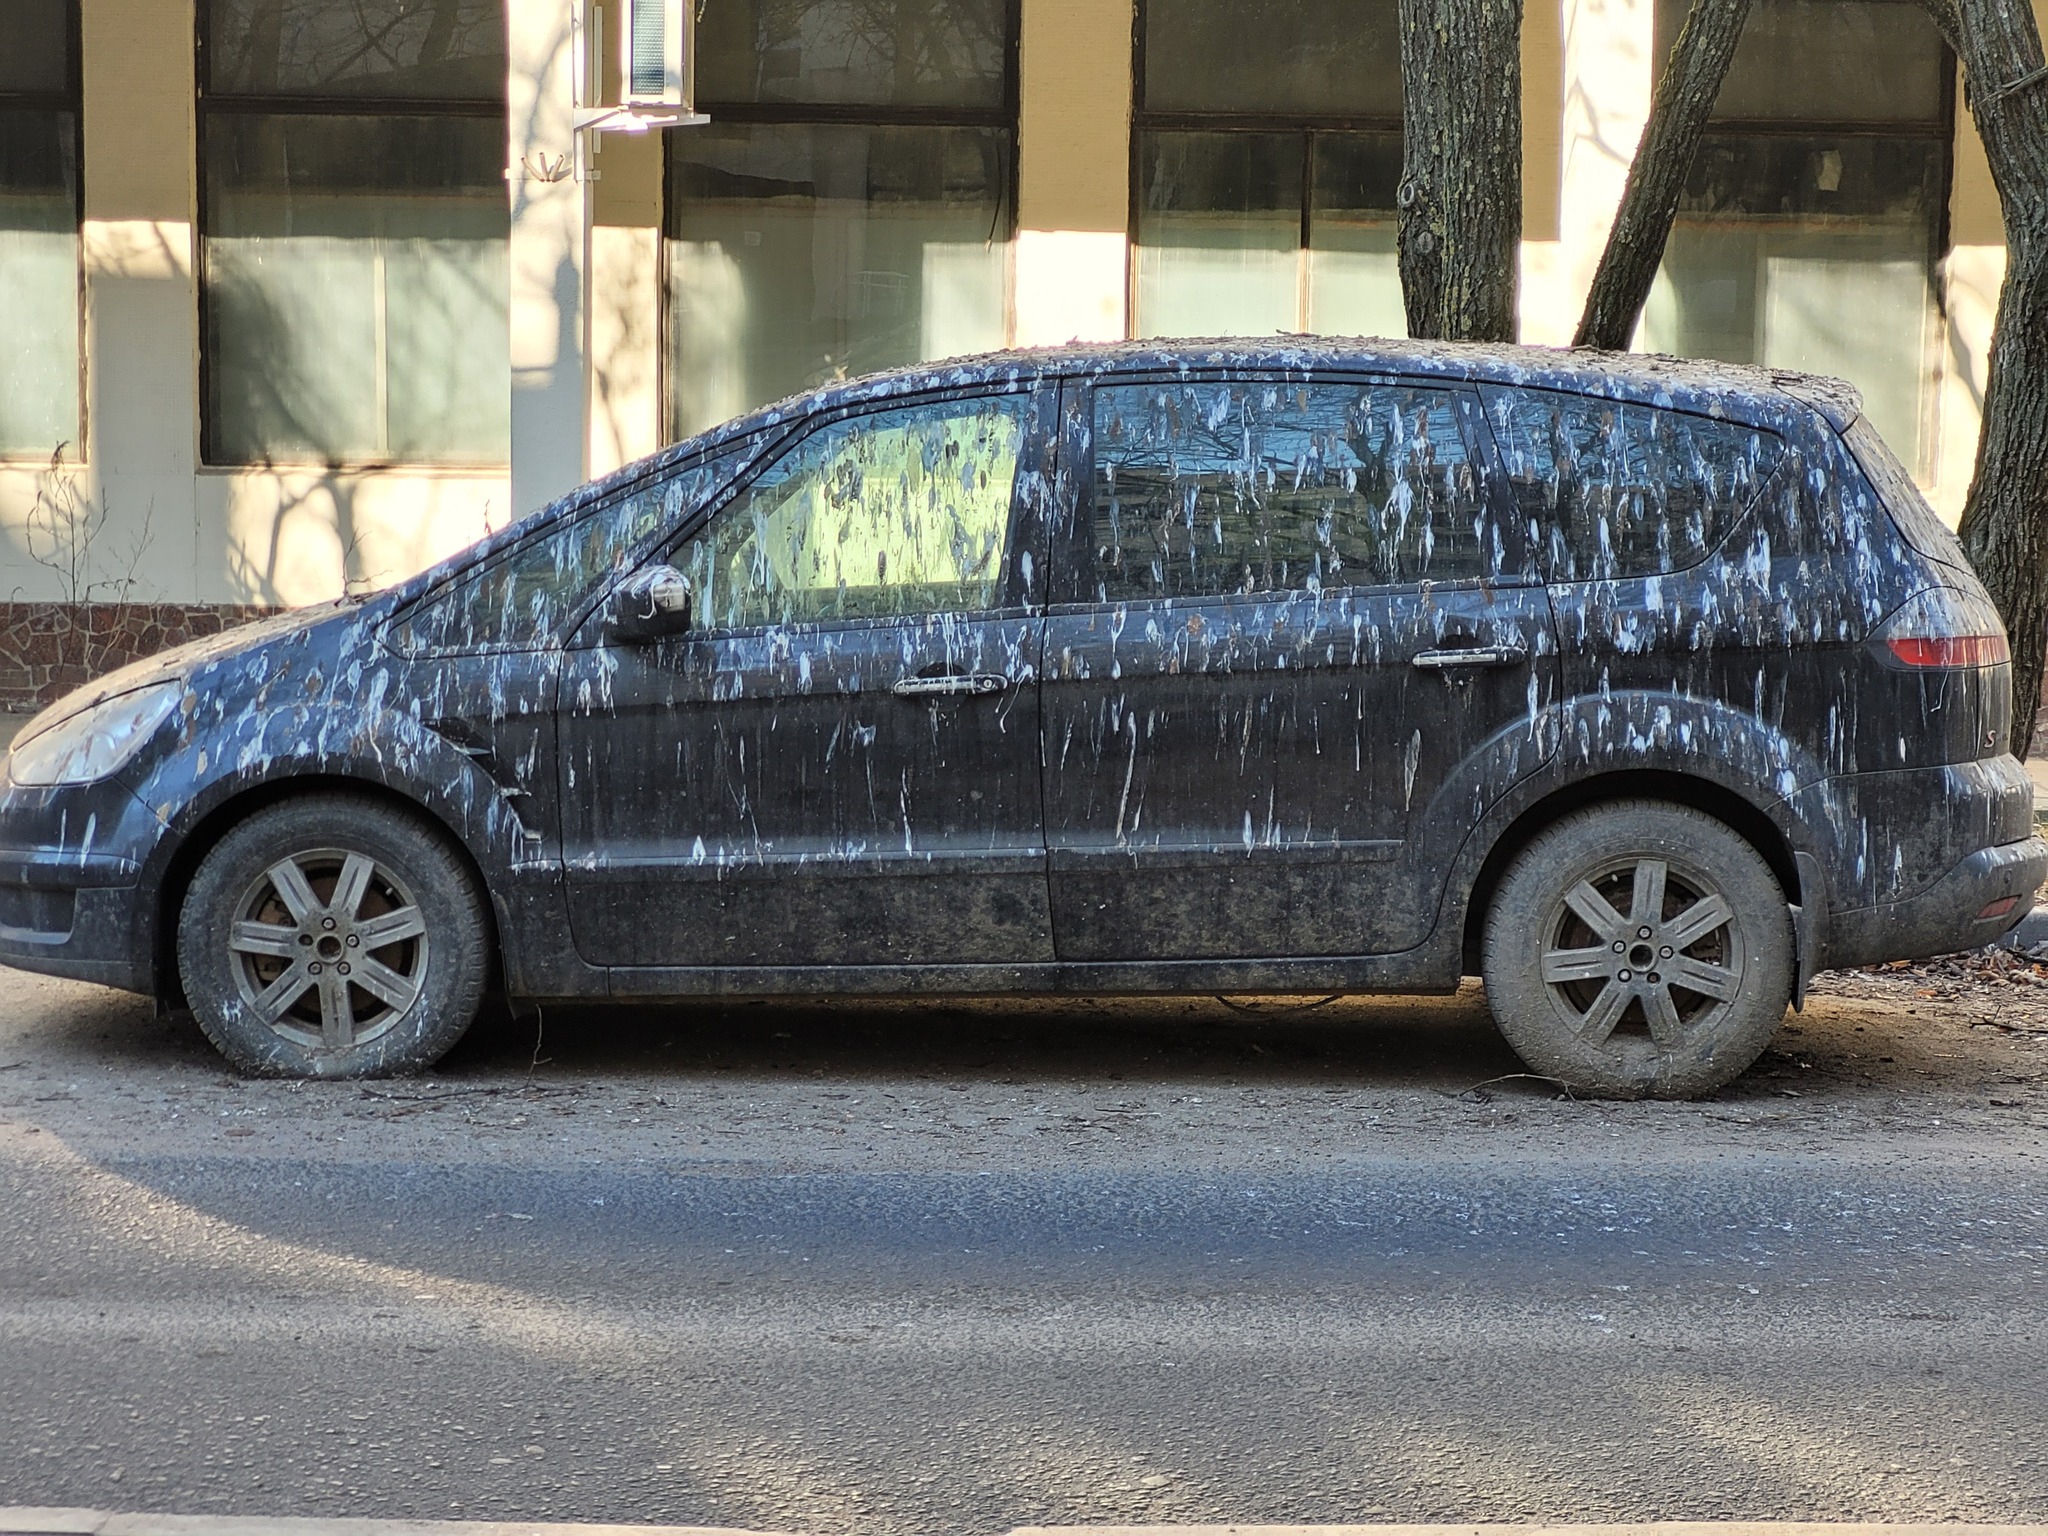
column 649, row 605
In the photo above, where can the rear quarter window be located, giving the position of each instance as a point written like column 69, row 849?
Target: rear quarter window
column 1611, row 489
column 1918, row 523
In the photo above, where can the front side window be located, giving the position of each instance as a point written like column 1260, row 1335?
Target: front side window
column 1811, row 222
column 1215, row 489
column 521, row 599
column 1609, row 489
column 355, row 224
column 1267, row 148
column 848, row 208
column 39, row 382
column 887, row 515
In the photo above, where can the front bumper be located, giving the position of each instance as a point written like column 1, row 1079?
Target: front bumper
column 1943, row 917
column 74, row 883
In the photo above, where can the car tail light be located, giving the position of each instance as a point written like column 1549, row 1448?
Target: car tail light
column 1946, row 628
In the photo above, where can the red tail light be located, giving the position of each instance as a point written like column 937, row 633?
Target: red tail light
column 1946, row 628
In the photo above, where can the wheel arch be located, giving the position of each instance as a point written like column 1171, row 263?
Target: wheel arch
column 205, row 835
column 1739, row 815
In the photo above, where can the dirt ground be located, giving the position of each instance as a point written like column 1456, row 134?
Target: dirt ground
column 1953, row 1049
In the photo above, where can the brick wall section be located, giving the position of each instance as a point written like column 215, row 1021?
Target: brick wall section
column 47, row 649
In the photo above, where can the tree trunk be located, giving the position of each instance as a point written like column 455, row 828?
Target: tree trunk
column 1678, row 121
column 1461, row 185
column 2005, row 520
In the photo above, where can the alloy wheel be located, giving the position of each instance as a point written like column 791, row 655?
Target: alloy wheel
column 328, row 948
column 1642, row 948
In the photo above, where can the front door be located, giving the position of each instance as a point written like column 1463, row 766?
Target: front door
column 837, row 763
column 1288, row 670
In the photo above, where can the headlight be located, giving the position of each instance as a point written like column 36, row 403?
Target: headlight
column 94, row 742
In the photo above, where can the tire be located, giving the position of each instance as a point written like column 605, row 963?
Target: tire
column 1590, row 923
column 334, row 937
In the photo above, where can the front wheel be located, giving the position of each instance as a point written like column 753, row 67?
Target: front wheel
column 333, row 937
column 1641, row 949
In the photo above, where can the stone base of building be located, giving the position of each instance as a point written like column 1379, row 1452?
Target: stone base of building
column 47, row 649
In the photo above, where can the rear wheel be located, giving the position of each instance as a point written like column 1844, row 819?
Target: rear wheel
column 1639, row 949
column 333, row 937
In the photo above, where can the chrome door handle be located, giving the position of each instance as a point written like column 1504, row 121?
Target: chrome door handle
column 974, row 685
column 1471, row 656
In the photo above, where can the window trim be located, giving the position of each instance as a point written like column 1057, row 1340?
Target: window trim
column 1067, row 591
column 1308, row 125
column 207, row 104
column 1005, row 119
column 71, row 100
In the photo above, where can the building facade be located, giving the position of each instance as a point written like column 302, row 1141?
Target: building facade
column 298, row 297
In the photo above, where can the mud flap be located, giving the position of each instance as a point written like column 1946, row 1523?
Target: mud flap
column 1805, row 927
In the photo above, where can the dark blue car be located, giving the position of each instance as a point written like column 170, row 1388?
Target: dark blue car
column 1642, row 688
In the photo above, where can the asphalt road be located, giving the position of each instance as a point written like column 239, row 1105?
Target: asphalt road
column 956, row 1269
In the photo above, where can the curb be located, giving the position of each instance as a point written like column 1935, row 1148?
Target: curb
column 32, row 1521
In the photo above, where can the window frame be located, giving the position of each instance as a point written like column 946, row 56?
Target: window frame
column 207, row 104
column 1069, row 591
column 71, row 100
column 1004, row 118
column 1307, row 124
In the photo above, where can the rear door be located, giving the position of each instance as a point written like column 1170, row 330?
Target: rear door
column 837, row 764
column 1288, row 669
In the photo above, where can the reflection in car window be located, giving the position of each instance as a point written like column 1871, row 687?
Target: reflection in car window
column 1612, row 489
column 877, row 516
column 1204, row 489
column 519, row 600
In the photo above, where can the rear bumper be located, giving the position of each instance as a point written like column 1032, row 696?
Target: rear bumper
column 1943, row 917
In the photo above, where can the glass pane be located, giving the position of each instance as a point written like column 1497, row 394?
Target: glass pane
column 520, row 600
column 356, row 290
column 1210, row 489
column 802, row 254
column 39, row 274
column 1623, row 490
column 898, row 513
column 1309, row 58
column 925, row 53
column 1829, row 60
column 1354, row 276
column 1839, row 282
column 36, row 52
column 416, row 49
column 1219, row 234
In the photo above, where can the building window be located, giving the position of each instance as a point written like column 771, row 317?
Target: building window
column 39, row 320
column 1266, row 150
column 850, row 205
column 1814, row 216
column 354, row 219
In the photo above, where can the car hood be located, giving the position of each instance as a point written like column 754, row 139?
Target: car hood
column 181, row 661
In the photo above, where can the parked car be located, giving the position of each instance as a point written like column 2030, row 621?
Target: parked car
column 1642, row 688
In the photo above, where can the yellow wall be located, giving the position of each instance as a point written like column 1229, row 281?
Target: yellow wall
column 1073, row 171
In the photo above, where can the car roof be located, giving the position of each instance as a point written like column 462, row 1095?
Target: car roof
column 1742, row 392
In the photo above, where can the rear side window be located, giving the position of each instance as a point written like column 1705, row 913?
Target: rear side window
column 1207, row 489
column 1611, row 489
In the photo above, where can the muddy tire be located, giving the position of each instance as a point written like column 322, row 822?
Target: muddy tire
column 333, row 936
column 1639, row 950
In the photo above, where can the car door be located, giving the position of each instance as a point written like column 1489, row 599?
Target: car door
column 1286, row 665
column 837, row 763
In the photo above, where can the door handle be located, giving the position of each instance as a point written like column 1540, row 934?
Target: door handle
column 975, row 685
column 1466, row 656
